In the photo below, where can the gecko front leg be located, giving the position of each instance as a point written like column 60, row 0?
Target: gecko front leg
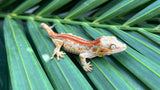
column 86, row 66
column 58, row 43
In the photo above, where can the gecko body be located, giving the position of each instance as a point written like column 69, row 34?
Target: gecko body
column 104, row 45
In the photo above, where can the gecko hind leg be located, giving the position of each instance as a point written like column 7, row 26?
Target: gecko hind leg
column 86, row 66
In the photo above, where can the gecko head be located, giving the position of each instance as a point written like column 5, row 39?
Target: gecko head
column 110, row 45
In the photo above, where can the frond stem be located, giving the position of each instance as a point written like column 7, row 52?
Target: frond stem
column 80, row 23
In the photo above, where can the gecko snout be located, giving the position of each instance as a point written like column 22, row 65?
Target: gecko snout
column 124, row 46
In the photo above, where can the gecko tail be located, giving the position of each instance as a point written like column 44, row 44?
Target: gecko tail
column 53, row 26
column 48, row 29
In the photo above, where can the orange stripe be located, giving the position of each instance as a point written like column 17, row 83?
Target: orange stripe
column 105, row 50
column 77, row 39
column 94, row 49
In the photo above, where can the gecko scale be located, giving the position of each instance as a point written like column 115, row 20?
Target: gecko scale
column 104, row 45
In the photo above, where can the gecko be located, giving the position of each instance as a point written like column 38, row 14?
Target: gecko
column 104, row 45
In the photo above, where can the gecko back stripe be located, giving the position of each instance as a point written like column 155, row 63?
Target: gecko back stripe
column 76, row 39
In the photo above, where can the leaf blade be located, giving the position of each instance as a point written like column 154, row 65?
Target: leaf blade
column 21, row 56
column 52, row 6
column 83, row 7
column 120, row 8
column 149, row 12
column 25, row 5
column 142, row 70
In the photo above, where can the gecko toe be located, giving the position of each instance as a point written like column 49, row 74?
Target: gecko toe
column 85, row 70
column 90, row 70
column 51, row 58
column 89, row 63
column 61, row 56
column 63, row 53
column 87, row 67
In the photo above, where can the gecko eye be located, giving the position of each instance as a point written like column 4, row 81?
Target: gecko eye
column 112, row 46
column 101, row 50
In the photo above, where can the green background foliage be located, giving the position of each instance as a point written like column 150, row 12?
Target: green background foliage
column 25, row 48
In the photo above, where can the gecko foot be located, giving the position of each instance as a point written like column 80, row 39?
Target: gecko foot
column 87, row 67
column 59, row 54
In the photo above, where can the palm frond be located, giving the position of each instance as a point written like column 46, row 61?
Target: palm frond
column 22, row 60
column 27, row 48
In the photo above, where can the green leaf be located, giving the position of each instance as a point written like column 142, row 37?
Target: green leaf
column 5, row 3
column 63, row 74
column 143, row 71
column 82, row 7
column 147, row 13
column 1, row 32
column 52, row 6
column 155, row 38
column 25, row 5
column 106, row 7
column 25, row 70
column 138, row 64
column 143, row 38
column 135, row 68
column 144, row 24
column 120, row 8
column 151, row 51
column 3, row 68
